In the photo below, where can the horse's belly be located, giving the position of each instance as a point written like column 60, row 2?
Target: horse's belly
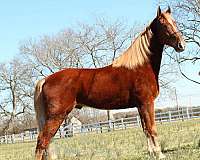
column 107, row 100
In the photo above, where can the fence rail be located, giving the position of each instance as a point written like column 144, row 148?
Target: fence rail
column 100, row 127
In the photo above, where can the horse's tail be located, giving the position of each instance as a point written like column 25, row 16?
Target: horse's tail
column 40, row 114
column 39, row 104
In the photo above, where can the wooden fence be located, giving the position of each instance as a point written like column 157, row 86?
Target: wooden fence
column 107, row 126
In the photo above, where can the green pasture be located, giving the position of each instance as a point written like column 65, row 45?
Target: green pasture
column 179, row 141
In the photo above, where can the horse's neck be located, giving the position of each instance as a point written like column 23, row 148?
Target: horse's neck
column 149, row 46
column 145, row 49
column 156, row 56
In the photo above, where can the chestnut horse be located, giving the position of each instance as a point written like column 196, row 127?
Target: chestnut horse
column 130, row 81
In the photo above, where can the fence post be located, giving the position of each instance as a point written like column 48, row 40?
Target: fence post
column 81, row 131
column 72, row 129
column 96, row 127
column 100, row 127
column 138, row 120
column 10, row 137
column 6, row 138
column 109, row 125
column 170, row 116
column 191, row 112
column 182, row 113
column 60, row 132
column 188, row 114
column 13, row 138
column 122, row 122
column 30, row 135
column 22, row 136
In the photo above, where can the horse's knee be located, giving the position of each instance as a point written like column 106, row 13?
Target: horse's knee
column 41, row 148
column 154, row 130
column 147, row 133
column 42, row 143
column 151, row 131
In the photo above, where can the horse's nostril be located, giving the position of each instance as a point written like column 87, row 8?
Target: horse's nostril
column 180, row 46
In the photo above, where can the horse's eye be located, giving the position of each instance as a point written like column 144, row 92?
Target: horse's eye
column 165, row 27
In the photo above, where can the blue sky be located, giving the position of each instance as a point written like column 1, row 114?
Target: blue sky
column 22, row 19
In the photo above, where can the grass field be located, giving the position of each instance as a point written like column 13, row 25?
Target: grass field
column 179, row 141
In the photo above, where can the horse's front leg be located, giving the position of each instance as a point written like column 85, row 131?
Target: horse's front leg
column 147, row 115
column 149, row 142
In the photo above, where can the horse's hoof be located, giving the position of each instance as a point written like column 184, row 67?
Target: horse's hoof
column 162, row 156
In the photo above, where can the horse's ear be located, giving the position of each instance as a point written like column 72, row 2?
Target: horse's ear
column 158, row 11
column 168, row 10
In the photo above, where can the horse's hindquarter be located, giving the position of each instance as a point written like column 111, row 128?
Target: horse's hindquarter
column 60, row 90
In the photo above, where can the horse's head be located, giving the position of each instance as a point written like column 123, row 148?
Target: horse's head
column 164, row 27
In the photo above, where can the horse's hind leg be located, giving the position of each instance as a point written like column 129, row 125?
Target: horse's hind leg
column 44, row 138
column 147, row 115
column 51, row 125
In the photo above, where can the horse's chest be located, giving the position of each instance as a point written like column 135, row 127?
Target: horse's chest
column 145, row 86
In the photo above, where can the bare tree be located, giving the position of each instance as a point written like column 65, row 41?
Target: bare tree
column 187, row 13
column 118, row 36
column 15, row 90
column 51, row 53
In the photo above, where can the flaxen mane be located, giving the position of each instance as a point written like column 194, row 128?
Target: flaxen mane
column 137, row 54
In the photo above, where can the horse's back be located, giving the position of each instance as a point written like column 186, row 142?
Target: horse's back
column 68, row 81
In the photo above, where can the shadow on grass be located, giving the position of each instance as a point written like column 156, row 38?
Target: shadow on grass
column 185, row 147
